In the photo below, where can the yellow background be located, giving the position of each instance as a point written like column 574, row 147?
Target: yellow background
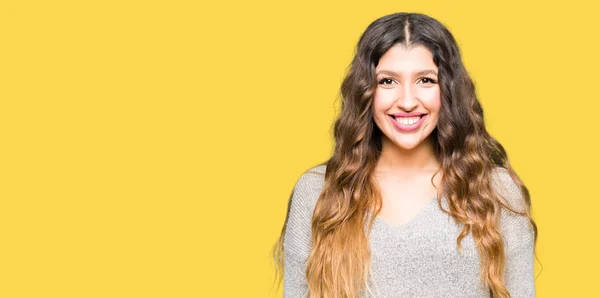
column 149, row 147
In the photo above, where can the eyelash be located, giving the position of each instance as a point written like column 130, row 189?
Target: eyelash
column 389, row 78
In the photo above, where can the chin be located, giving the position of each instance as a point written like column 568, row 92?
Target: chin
column 406, row 146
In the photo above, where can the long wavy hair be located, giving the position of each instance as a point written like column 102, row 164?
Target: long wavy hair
column 339, row 262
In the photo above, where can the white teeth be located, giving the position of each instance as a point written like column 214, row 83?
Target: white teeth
column 407, row 120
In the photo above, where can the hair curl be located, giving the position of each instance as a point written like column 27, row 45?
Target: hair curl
column 467, row 152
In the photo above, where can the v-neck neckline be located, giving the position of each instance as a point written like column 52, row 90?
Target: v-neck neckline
column 432, row 202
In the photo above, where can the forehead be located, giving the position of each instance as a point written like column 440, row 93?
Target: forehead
column 401, row 59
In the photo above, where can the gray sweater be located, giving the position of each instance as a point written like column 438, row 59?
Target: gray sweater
column 418, row 258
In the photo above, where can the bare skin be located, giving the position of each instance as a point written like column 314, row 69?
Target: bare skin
column 407, row 83
column 403, row 196
column 404, row 178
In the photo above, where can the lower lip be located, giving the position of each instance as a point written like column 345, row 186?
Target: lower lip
column 411, row 127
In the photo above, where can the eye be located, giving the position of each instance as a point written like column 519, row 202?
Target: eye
column 427, row 80
column 386, row 81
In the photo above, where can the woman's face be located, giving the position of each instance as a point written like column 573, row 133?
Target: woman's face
column 407, row 99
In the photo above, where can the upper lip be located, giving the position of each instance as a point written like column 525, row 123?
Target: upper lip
column 408, row 114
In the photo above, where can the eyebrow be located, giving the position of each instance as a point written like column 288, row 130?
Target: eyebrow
column 418, row 73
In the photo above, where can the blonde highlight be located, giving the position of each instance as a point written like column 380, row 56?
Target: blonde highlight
column 339, row 263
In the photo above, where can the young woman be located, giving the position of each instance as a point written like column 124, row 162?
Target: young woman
column 418, row 199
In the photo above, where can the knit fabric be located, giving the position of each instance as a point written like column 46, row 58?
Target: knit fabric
column 420, row 257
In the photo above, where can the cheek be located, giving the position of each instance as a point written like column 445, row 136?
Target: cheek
column 383, row 99
column 381, row 104
column 432, row 99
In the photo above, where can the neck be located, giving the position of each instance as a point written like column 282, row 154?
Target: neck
column 394, row 159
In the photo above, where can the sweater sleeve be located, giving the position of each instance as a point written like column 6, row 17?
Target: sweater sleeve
column 518, row 238
column 298, row 235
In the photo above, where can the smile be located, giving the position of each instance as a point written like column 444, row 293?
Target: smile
column 407, row 123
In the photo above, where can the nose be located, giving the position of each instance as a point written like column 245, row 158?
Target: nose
column 407, row 99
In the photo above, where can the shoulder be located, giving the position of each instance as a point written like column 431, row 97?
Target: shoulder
column 311, row 182
column 516, row 229
column 508, row 190
column 307, row 189
column 306, row 192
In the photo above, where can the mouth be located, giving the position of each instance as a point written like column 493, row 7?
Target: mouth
column 398, row 117
column 407, row 124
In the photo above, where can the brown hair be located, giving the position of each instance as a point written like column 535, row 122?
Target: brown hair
column 339, row 262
